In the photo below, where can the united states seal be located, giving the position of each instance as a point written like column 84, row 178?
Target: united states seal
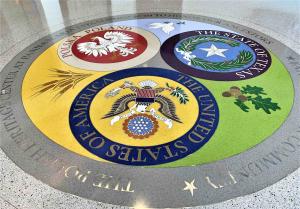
column 151, row 102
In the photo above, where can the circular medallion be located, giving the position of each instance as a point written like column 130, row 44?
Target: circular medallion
column 216, row 55
column 142, row 105
column 105, row 48
column 109, row 46
column 211, row 117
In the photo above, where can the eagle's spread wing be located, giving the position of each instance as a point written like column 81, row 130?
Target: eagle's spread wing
column 92, row 48
column 167, row 107
column 118, row 37
column 120, row 106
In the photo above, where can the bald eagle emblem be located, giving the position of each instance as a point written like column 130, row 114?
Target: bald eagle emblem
column 112, row 41
column 140, row 121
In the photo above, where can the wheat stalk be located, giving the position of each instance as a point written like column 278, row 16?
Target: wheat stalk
column 64, row 81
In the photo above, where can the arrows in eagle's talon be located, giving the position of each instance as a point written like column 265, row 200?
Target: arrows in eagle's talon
column 169, row 123
column 114, row 120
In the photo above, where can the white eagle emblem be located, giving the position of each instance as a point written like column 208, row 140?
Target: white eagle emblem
column 112, row 41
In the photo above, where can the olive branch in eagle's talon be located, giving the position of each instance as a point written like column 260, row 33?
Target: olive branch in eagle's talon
column 179, row 93
column 62, row 82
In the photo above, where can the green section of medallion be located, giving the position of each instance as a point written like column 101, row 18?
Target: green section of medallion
column 251, row 113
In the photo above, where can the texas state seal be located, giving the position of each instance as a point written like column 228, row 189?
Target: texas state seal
column 216, row 55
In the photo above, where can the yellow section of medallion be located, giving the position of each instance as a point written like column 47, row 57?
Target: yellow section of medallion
column 50, row 114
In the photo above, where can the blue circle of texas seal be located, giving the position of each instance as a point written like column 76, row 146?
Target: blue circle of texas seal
column 141, row 122
column 216, row 55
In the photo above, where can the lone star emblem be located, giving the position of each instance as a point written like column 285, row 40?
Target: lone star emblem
column 213, row 50
column 190, row 187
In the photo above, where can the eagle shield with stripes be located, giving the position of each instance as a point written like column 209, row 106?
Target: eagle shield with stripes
column 141, row 121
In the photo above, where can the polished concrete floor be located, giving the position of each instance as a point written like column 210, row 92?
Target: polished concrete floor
column 23, row 22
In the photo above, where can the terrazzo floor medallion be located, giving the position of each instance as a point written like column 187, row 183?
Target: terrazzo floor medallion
column 170, row 110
